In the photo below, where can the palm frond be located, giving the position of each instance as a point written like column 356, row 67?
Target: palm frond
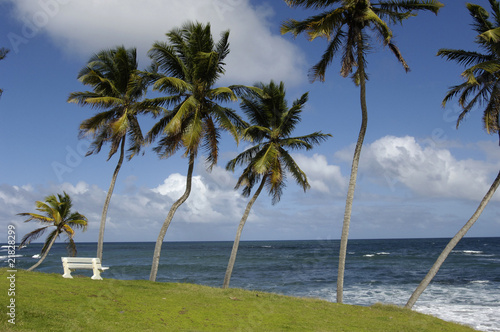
column 118, row 87
column 193, row 133
column 211, row 142
column 398, row 6
column 186, row 107
column 32, row 236
column 71, row 247
column 294, row 169
column 265, row 158
column 318, row 71
column 492, row 35
column 480, row 17
column 486, row 66
column 37, row 217
column 461, row 57
column 159, row 127
column 315, row 4
column 172, row 85
column 223, row 94
column 68, row 230
column 243, row 158
column 228, row 120
column 136, row 138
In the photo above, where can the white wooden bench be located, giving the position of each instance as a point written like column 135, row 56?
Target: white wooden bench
column 88, row 263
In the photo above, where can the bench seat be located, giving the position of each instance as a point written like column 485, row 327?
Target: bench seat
column 87, row 263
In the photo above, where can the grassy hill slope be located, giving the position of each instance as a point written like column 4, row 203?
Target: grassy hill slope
column 48, row 302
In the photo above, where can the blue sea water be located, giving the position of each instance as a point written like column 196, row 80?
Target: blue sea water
column 465, row 290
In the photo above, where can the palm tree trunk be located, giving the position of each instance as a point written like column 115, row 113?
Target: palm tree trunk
column 354, row 174
column 166, row 223
column 46, row 253
column 236, row 243
column 100, row 241
column 453, row 242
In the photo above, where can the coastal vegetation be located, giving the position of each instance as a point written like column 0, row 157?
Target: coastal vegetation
column 480, row 88
column 48, row 302
column 192, row 114
column 350, row 27
column 56, row 213
column 117, row 90
column 188, row 67
column 271, row 126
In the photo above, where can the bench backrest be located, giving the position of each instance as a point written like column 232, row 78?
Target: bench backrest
column 80, row 260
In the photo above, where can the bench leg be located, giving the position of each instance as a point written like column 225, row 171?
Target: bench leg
column 97, row 274
column 67, row 273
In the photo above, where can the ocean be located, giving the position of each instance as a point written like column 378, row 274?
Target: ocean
column 465, row 290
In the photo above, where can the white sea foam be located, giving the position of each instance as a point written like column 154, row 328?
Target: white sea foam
column 378, row 253
column 468, row 252
column 10, row 256
column 479, row 317
column 474, row 305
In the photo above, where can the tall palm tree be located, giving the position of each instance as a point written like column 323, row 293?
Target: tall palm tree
column 188, row 66
column 3, row 54
column 482, row 87
column 56, row 212
column 272, row 124
column 349, row 26
column 118, row 89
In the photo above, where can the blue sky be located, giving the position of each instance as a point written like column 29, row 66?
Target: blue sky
column 419, row 176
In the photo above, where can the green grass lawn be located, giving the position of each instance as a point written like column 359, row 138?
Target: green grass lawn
column 48, row 302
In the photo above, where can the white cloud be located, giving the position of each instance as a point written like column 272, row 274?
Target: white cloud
column 80, row 188
column 83, row 27
column 212, row 198
column 214, row 208
column 427, row 171
column 321, row 176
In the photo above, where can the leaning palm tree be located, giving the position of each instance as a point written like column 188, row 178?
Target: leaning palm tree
column 188, row 66
column 482, row 87
column 118, row 89
column 3, row 54
column 349, row 26
column 272, row 124
column 56, row 213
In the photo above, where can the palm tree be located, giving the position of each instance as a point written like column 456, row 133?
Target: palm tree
column 189, row 65
column 3, row 54
column 56, row 213
column 272, row 123
column 482, row 87
column 118, row 88
column 349, row 25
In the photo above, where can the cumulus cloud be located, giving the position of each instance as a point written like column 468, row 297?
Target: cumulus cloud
column 426, row 170
column 214, row 208
column 321, row 176
column 133, row 216
column 83, row 27
column 137, row 213
column 209, row 200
